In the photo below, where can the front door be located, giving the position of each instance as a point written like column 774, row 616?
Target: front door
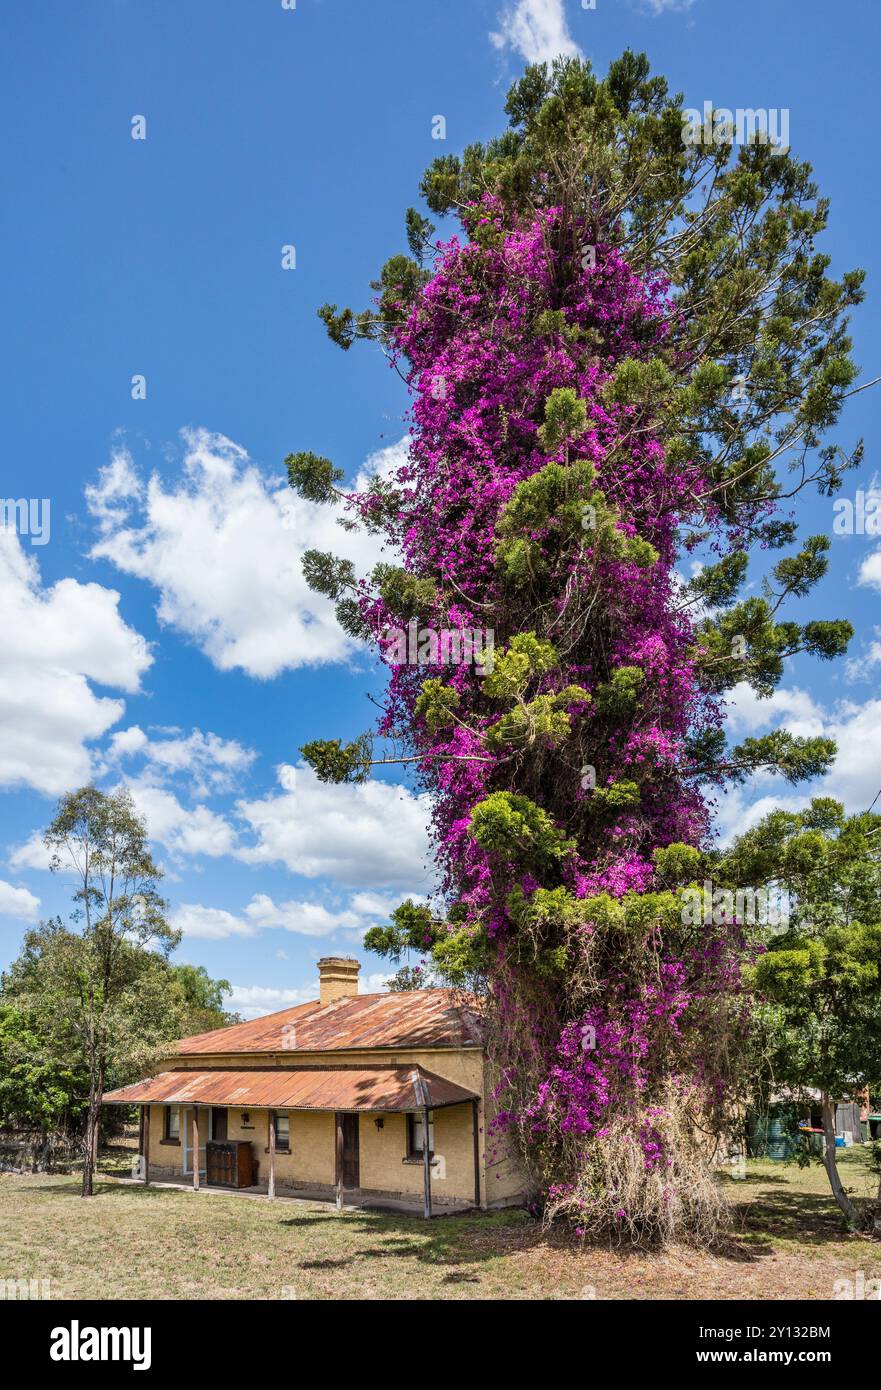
column 348, row 1152
column 205, row 1117
column 218, row 1123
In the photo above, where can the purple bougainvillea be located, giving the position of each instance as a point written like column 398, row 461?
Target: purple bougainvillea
column 602, row 1005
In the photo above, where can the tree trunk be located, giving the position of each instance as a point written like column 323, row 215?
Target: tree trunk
column 93, row 1117
column 42, row 1159
column 831, row 1166
column 89, row 1143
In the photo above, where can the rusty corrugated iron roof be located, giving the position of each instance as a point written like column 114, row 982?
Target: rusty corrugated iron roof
column 413, row 1018
column 302, row 1088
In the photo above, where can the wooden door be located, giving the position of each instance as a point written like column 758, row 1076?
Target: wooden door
column 348, row 1153
column 218, row 1123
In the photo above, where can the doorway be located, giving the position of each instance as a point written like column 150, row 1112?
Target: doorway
column 348, row 1159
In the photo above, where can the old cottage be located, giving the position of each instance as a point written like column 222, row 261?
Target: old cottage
column 351, row 1097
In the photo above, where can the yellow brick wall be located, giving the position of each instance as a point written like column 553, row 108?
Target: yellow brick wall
column 163, row 1155
column 503, row 1180
column 313, row 1145
column 383, row 1152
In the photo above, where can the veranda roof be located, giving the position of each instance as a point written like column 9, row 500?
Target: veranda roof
column 300, row 1088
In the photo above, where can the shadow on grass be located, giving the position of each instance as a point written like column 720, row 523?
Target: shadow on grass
column 65, row 1185
column 752, row 1180
column 759, row 1228
column 454, row 1241
column 329, row 1263
column 802, row 1217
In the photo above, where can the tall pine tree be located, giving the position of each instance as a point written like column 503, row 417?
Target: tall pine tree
column 630, row 352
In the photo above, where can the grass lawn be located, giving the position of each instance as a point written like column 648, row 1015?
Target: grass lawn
column 786, row 1241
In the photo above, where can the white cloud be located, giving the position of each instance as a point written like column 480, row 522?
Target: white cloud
column 383, row 463
column 870, row 570
column 746, row 712
column 659, row 7
column 209, row 923
column 211, row 764
column 858, row 668
column 302, row 918
column 223, row 546
column 182, row 830
column 739, row 809
column 536, row 29
column 371, row 835
column 307, row 919
column 855, row 775
column 377, row 905
column 119, row 489
column 126, row 742
column 57, row 641
column 253, row 1001
column 375, row 984
column 32, row 854
column 315, row 919
column 18, row 903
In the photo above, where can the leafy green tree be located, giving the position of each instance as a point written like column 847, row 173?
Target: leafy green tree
column 203, row 1000
column 408, row 978
column 100, row 979
column 48, row 988
column 819, row 981
column 37, row 1090
column 44, row 1072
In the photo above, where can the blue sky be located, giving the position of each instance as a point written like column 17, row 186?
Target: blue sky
column 163, row 636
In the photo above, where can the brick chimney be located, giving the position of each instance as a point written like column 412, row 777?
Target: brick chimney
column 339, row 978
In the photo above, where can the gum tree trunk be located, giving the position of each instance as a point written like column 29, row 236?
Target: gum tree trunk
column 96, row 1090
column 831, row 1166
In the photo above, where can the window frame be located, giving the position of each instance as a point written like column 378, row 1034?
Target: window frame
column 282, row 1145
column 171, row 1115
column 414, row 1117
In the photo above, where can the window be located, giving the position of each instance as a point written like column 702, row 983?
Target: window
column 415, row 1128
column 172, row 1124
column 282, row 1131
